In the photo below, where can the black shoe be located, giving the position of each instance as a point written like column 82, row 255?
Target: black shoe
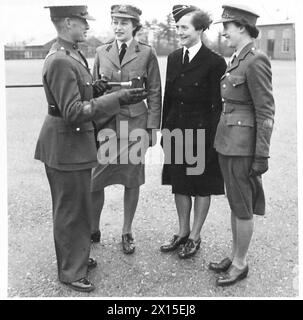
column 174, row 243
column 128, row 243
column 95, row 237
column 222, row 266
column 92, row 264
column 189, row 248
column 232, row 276
column 82, row 285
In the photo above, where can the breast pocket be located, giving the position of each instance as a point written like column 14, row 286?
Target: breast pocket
column 76, row 144
column 106, row 74
column 237, row 88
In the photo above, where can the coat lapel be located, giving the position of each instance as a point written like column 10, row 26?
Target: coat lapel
column 112, row 53
column 176, row 64
column 241, row 56
column 131, row 53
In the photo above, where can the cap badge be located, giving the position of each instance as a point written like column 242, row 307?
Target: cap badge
column 123, row 9
column 226, row 15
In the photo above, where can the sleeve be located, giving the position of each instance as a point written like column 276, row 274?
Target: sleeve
column 259, row 80
column 167, row 96
column 216, row 73
column 154, row 95
column 62, row 82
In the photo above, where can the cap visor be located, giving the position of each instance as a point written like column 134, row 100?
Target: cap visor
column 123, row 15
column 88, row 17
column 223, row 20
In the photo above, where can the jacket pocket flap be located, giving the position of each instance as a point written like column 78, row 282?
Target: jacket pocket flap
column 236, row 80
column 106, row 74
column 240, row 120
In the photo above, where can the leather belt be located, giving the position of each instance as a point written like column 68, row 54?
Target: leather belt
column 54, row 111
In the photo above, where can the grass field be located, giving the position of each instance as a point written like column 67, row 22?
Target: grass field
column 273, row 255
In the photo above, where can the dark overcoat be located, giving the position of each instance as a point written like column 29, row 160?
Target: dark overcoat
column 192, row 100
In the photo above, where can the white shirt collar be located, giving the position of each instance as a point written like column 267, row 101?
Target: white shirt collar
column 119, row 43
column 192, row 51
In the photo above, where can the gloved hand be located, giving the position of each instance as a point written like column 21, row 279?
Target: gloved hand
column 99, row 87
column 131, row 96
column 259, row 166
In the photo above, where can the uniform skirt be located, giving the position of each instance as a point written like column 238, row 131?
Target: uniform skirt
column 208, row 182
column 118, row 167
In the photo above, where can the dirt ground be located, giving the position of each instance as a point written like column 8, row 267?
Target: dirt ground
column 273, row 255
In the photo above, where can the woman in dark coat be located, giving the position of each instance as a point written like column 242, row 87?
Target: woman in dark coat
column 192, row 101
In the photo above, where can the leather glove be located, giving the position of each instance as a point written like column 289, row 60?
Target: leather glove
column 131, row 96
column 259, row 166
column 99, row 87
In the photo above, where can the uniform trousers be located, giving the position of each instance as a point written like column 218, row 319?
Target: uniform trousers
column 71, row 200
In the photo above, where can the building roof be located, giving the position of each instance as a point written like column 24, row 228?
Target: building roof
column 41, row 41
column 275, row 22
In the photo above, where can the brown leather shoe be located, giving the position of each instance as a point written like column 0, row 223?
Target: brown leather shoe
column 189, row 248
column 128, row 243
column 95, row 237
column 232, row 276
column 82, row 285
column 221, row 266
column 174, row 243
column 92, row 264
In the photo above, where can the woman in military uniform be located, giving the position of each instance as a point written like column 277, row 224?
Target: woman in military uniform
column 192, row 101
column 126, row 59
column 243, row 135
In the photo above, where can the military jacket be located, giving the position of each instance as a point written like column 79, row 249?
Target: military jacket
column 67, row 141
column 246, row 122
column 139, row 65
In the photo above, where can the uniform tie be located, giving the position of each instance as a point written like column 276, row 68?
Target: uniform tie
column 122, row 51
column 186, row 58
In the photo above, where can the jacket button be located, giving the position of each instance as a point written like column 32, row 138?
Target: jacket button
column 119, row 71
column 239, row 123
column 227, row 74
column 182, row 103
column 182, row 75
column 224, row 86
column 78, row 129
column 87, row 83
column 180, row 89
column 223, row 100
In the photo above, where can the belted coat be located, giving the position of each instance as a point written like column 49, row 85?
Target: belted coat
column 247, row 119
column 67, row 141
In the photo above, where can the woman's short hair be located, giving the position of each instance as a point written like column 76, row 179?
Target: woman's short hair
column 201, row 20
column 252, row 30
column 137, row 26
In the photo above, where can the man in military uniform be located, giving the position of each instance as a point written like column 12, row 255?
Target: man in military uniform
column 243, row 134
column 67, row 143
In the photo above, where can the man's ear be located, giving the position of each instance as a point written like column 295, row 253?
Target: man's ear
column 67, row 22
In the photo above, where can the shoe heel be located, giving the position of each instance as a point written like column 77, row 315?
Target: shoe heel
column 244, row 274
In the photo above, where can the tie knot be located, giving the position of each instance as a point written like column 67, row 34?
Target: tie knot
column 123, row 46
